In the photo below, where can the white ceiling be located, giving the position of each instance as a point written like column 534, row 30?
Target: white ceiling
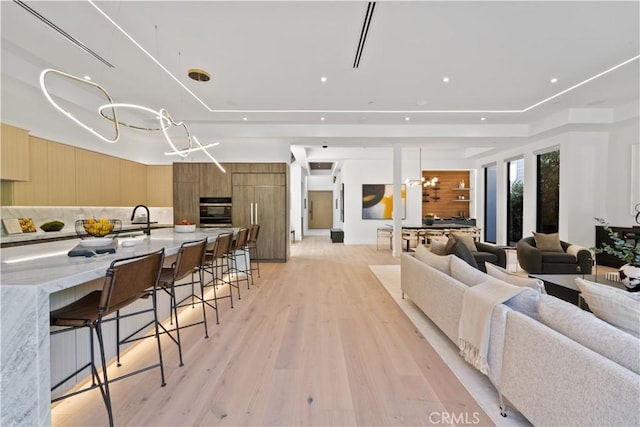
column 266, row 59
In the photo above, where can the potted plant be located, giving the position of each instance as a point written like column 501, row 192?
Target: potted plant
column 627, row 252
column 428, row 219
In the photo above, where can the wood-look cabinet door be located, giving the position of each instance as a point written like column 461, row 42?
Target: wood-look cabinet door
column 185, row 202
column 133, row 183
column 88, row 183
column 186, row 197
column 214, row 182
column 270, row 213
column 34, row 192
column 160, row 185
column 61, row 175
column 261, row 198
column 243, row 200
column 14, row 153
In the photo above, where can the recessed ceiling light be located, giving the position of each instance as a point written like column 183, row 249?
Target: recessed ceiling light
column 554, row 80
column 483, row 118
column 244, row 118
column 322, row 118
column 87, row 78
column 445, row 79
column 323, row 79
column 198, row 75
column 407, row 118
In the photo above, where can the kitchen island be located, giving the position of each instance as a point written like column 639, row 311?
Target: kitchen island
column 31, row 278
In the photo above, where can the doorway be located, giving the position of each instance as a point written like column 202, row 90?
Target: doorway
column 320, row 214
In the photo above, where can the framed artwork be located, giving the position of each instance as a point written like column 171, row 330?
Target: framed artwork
column 377, row 201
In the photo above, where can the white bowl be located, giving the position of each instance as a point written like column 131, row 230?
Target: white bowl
column 180, row 228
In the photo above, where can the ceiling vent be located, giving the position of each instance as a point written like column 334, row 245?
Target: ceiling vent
column 363, row 33
column 63, row 33
column 320, row 168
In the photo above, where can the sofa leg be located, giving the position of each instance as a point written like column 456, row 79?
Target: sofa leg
column 503, row 407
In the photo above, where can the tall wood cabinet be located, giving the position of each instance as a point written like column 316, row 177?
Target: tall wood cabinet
column 261, row 198
column 258, row 192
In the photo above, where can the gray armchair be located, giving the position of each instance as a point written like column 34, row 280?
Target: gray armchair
column 489, row 253
column 574, row 260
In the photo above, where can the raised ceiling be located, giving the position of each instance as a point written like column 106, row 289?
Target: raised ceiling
column 266, row 60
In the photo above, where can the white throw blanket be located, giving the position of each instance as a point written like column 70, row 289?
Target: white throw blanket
column 474, row 326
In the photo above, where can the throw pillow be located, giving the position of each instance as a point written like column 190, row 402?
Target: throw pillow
column 436, row 261
column 467, row 239
column 515, row 279
column 461, row 251
column 439, row 246
column 615, row 306
column 465, row 273
column 548, row 242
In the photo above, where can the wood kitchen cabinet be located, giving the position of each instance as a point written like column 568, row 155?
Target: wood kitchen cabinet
column 14, row 153
column 261, row 198
column 160, row 185
column 213, row 182
column 34, row 192
column 61, row 175
column 97, row 179
column 186, row 190
column 133, row 183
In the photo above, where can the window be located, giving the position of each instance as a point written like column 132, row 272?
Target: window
column 490, row 203
column 548, row 196
column 515, row 186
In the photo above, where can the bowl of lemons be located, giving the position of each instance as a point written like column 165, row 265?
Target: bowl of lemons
column 98, row 227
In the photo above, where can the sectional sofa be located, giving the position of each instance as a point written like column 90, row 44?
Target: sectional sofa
column 555, row 363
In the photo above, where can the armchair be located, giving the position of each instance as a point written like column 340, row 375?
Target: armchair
column 573, row 260
column 487, row 252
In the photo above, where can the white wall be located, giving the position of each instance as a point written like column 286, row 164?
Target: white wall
column 595, row 170
column 354, row 174
column 617, row 197
column 295, row 199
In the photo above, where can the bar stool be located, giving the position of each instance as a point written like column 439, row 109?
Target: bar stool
column 239, row 248
column 252, row 242
column 190, row 258
column 126, row 281
column 216, row 264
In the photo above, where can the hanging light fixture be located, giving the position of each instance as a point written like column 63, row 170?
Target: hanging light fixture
column 416, row 182
column 164, row 118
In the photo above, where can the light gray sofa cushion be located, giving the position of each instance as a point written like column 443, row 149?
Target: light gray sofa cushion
column 439, row 262
column 465, row 273
column 586, row 329
column 615, row 306
column 514, row 279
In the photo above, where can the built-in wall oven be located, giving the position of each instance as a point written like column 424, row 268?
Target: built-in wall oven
column 215, row 212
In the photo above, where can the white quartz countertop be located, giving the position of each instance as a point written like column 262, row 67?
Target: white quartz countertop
column 127, row 226
column 48, row 267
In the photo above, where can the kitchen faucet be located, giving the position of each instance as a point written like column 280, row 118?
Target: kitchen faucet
column 133, row 214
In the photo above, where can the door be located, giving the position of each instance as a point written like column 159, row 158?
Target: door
column 320, row 209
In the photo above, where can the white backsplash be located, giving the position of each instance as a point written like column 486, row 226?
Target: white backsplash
column 69, row 214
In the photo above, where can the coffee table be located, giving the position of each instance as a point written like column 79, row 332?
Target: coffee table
column 564, row 286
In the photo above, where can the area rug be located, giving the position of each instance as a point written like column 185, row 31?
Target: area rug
column 477, row 384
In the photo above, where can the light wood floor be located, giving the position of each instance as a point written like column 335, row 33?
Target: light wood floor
column 317, row 341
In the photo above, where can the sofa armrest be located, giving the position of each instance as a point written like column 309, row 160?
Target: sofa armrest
column 529, row 257
column 496, row 250
column 583, row 256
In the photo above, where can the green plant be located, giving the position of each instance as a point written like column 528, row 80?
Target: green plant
column 622, row 249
